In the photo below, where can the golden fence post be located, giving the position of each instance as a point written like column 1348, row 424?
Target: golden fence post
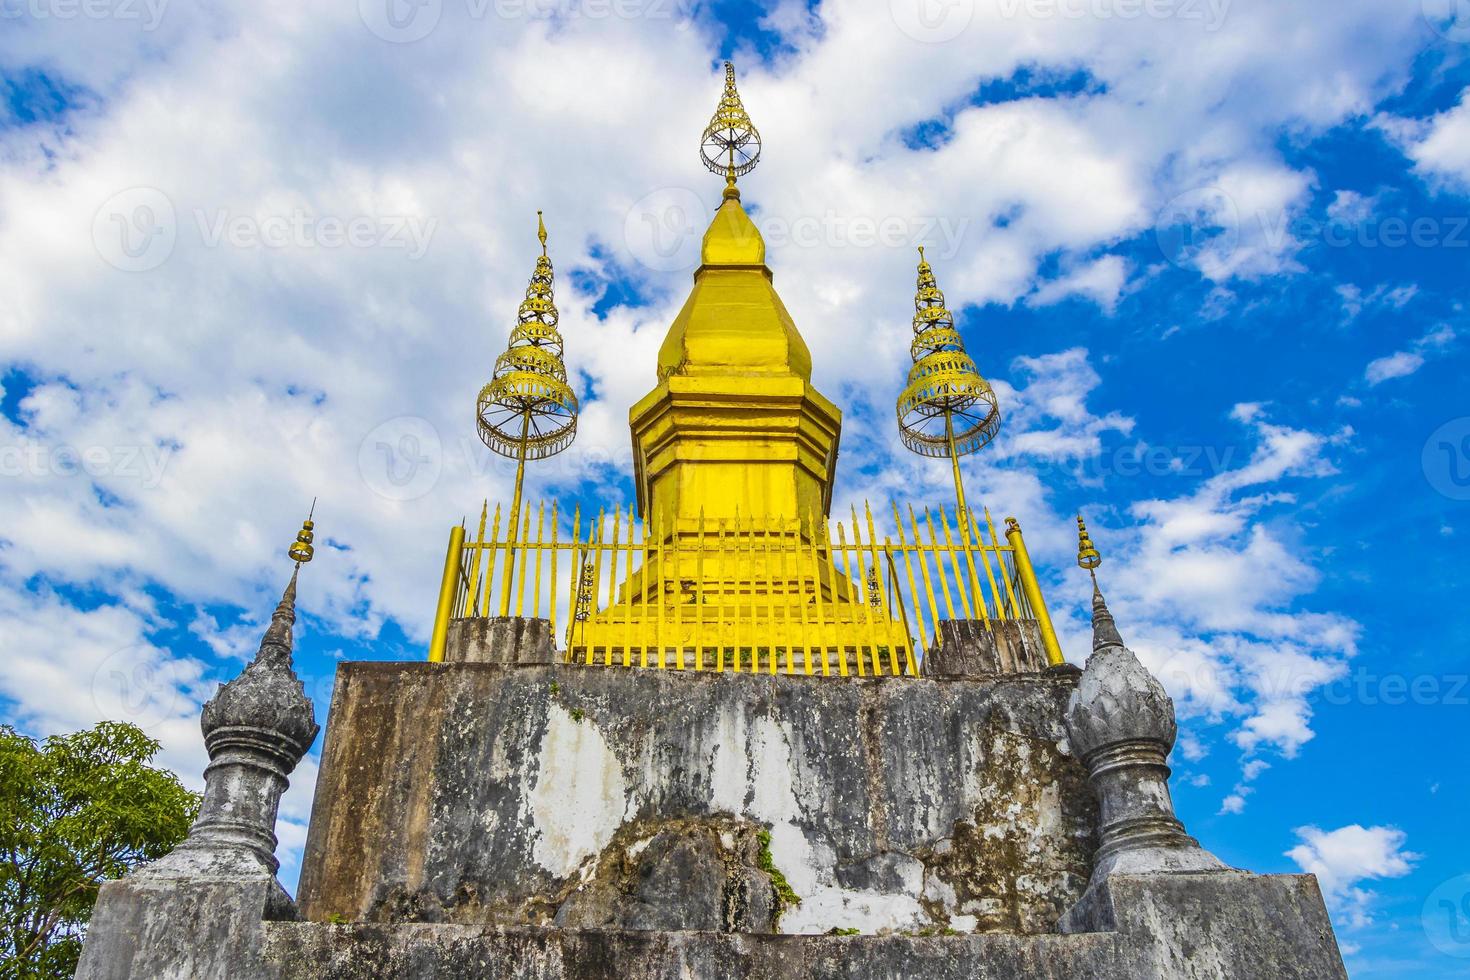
column 439, row 639
column 806, row 629
column 676, row 565
column 612, row 582
column 968, row 540
column 699, row 597
column 908, row 565
column 865, row 600
column 643, row 624
column 472, row 581
column 858, row 602
column 551, row 584
column 842, row 668
column 924, row 568
column 658, row 545
column 771, row 597
column 789, row 601
column 821, row 605
column 720, row 607
column 628, row 592
column 1000, row 606
column 954, row 560
column 594, row 548
column 1032, row 590
column 540, row 546
column 1010, row 591
column 576, row 576
column 523, row 538
column 892, row 592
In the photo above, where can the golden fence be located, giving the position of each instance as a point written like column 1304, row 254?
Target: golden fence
column 815, row 597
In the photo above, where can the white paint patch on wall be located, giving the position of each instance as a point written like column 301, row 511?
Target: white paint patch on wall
column 810, row 870
column 580, row 794
column 730, row 764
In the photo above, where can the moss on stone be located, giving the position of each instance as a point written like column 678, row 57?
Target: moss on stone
column 786, row 896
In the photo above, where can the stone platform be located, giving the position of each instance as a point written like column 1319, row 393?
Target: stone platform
column 590, row 797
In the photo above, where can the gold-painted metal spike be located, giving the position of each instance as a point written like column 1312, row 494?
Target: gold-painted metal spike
column 528, row 410
column 301, row 550
column 947, row 408
column 1087, row 553
column 730, row 145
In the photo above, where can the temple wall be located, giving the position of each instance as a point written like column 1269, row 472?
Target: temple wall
column 479, row 794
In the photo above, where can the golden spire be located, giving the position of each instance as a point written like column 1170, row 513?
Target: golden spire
column 947, row 409
column 1087, row 555
column 730, row 146
column 301, row 550
column 528, row 410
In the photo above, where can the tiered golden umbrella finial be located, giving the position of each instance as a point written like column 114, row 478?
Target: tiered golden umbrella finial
column 731, row 145
column 528, row 410
column 947, row 409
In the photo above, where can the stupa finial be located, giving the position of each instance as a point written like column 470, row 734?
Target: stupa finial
column 1104, row 628
column 947, row 408
column 528, row 410
column 301, row 550
column 731, row 145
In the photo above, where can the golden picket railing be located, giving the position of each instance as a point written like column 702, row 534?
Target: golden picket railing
column 824, row 597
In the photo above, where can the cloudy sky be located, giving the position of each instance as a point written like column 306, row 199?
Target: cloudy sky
column 1212, row 254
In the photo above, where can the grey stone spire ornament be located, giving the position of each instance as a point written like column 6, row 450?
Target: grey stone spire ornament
column 1121, row 724
column 257, row 728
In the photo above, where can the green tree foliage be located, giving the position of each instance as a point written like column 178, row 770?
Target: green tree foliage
column 75, row 811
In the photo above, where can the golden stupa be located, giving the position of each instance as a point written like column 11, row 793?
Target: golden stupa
column 732, row 559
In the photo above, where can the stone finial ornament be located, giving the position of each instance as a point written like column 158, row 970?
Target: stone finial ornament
column 257, row 728
column 1121, row 724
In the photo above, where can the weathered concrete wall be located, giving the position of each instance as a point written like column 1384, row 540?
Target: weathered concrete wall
column 970, row 648
column 479, row 793
column 500, row 640
column 1202, row 926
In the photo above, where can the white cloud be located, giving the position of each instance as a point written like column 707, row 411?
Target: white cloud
column 1439, row 145
column 1351, row 208
column 1401, row 364
column 1100, row 281
column 1344, row 858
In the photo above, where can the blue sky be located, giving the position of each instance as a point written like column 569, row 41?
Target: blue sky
column 1213, row 258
